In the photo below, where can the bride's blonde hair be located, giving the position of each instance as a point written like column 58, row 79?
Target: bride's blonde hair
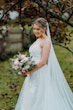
column 42, row 22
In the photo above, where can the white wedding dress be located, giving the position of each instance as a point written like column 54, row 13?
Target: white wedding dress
column 45, row 89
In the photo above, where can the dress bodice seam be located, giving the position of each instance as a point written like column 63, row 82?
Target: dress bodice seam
column 36, row 44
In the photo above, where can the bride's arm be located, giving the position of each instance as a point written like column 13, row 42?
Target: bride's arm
column 45, row 54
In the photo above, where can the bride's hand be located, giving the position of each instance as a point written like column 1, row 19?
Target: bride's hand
column 25, row 73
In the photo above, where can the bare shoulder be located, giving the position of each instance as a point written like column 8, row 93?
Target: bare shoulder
column 46, row 43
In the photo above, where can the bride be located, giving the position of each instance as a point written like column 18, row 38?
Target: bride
column 45, row 87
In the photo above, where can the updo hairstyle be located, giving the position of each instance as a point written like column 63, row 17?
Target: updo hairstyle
column 41, row 22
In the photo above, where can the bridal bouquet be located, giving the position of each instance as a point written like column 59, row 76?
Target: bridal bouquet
column 22, row 63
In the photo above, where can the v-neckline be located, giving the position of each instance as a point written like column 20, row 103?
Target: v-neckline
column 36, row 43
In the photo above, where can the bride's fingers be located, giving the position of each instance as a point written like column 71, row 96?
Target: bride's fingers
column 23, row 73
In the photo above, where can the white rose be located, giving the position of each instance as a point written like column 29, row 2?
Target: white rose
column 27, row 67
column 19, row 73
column 16, row 62
column 15, row 67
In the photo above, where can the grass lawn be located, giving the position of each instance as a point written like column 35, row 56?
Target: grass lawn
column 10, row 85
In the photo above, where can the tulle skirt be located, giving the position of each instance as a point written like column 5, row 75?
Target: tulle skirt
column 39, row 92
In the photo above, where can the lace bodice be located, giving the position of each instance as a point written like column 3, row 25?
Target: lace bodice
column 36, row 52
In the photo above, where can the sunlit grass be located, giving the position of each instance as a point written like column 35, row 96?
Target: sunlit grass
column 10, row 85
